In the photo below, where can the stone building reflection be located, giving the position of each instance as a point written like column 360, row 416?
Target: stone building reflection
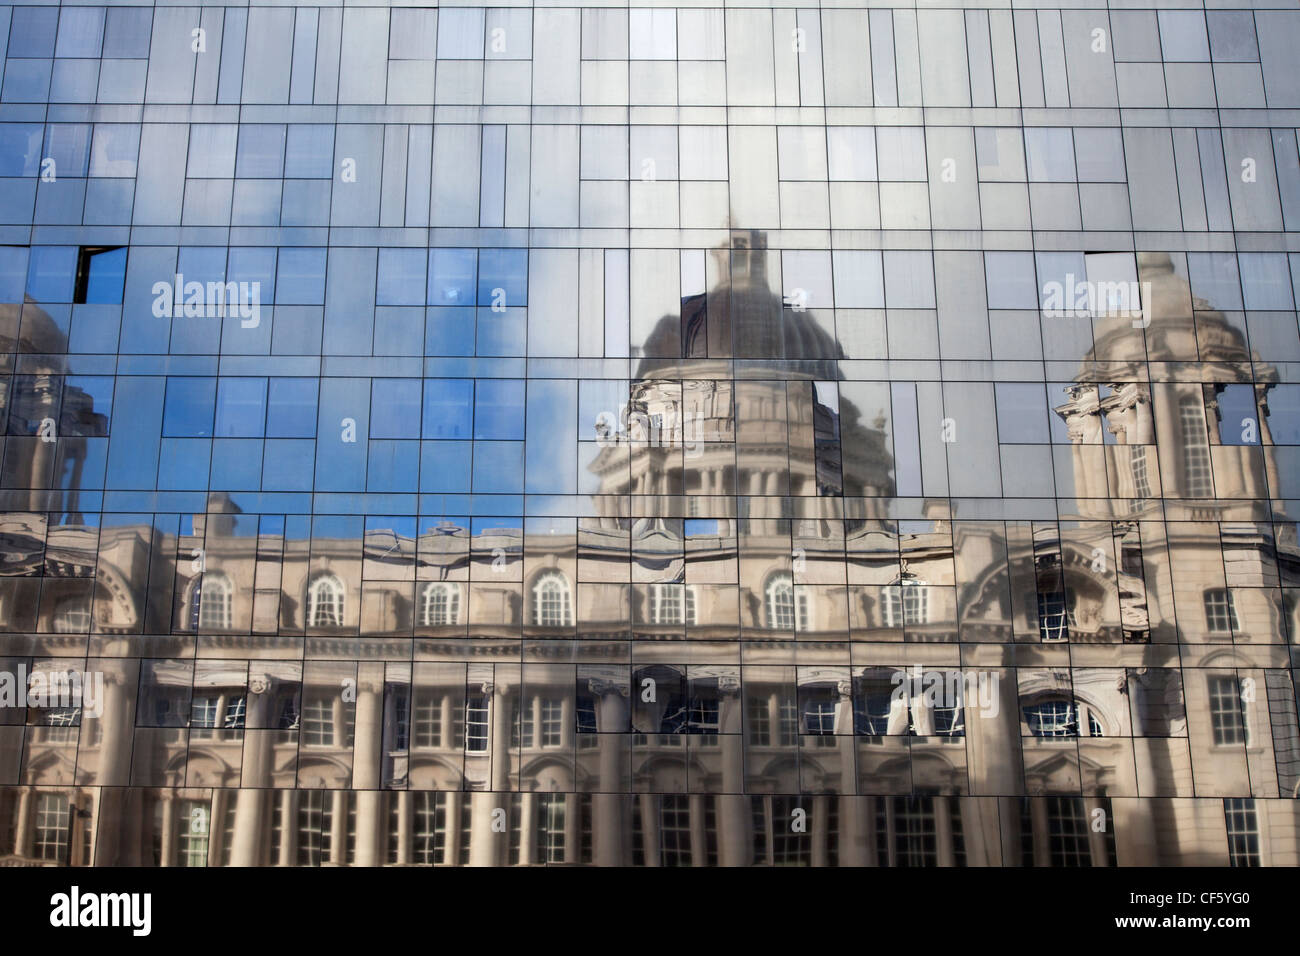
column 339, row 690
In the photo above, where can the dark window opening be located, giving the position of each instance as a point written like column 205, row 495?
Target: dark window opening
column 101, row 274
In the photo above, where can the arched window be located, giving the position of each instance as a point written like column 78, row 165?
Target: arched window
column 440, row 604
column 211, row 602
column 72, row 616
column 552, row 603
column 1054, row 717
column 787, row 606
column 1055, row 614
column 325, row 602
column 905, row 604
column 672, row 604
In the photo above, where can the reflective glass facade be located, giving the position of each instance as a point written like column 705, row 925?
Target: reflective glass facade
column 841, row 434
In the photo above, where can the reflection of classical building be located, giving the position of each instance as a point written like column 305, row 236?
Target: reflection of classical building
column 747, row 651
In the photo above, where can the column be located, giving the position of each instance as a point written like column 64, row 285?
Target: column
column 1097, row 839
column 850, row 835
column 403, row 827
column 699, row 835
column 115, row 727
column 168, row 835
column 97, row 807
column 869, row 819
column 338, row 827
column 994, row 740
column 1083, row 424
column 451, row 852
column 445, row 721
column 1271, row 474
column 649, row 829
column 844, row 738
column 853, row 830
column 527, row 826
column 288, row 827
column 250, row 801
column 1138, row 829
column 500, row 736
column 47, row 387
column 23, row 832
column 981, row 833
column 820, row 830
column 943, row 830
column 572, row 825
column 1009, row 819
column 608, row 803
column 735, row 823
column 891, row 832
column 922, row 713
column 484, row 841
column 217, row 833
column 1041, row 831
column 367, row 763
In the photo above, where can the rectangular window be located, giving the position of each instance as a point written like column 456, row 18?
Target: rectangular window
column 315, row 826
column 586, row 714
column 873, row 700
column 318, row 723
column 703, row 719
column 203, row 714
column 552, row 723
column 1243, row 831
column 550, row 828
column 522, row 725
column 428, row 723
column 789, row 722
column 1067, row 831
column 674, row 830
column 1196, row 449
column 476, row 724
column 906, row 831
column 819, row 716
column 1220, row 612
column 1228, row 712
column 430, row 837
column 192, row 826
column 51, row 832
